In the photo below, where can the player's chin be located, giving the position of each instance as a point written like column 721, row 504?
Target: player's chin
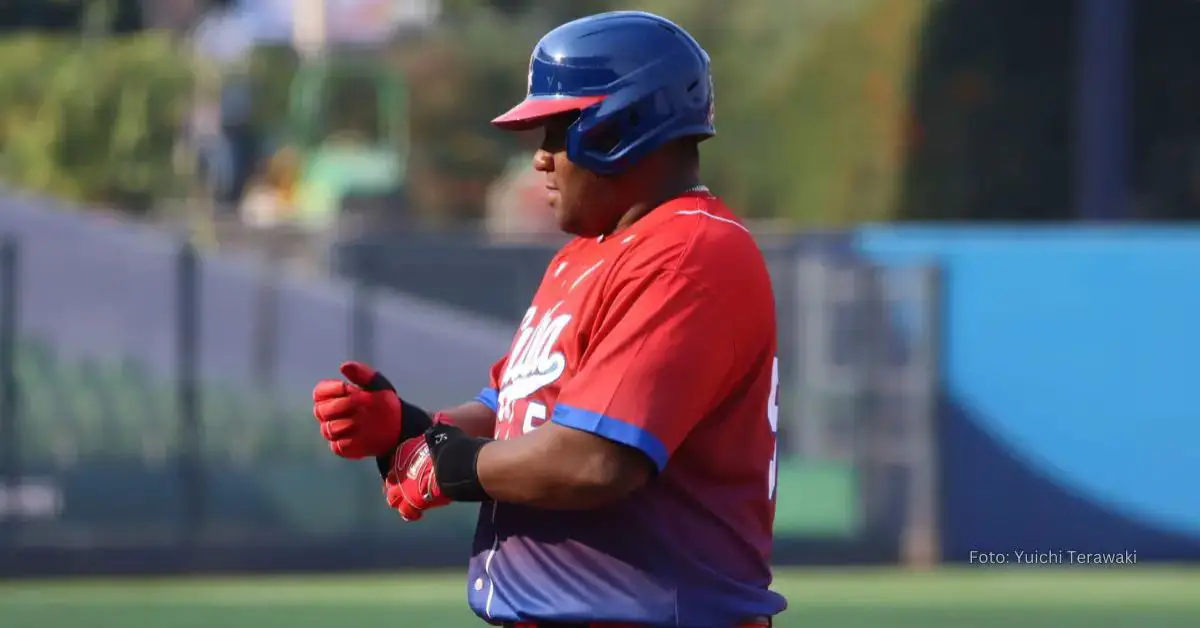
column 572, row 222
column 563, row 217
column 579, row 229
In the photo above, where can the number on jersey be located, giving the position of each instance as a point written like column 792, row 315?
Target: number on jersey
column 535, row 416
column 773, row 421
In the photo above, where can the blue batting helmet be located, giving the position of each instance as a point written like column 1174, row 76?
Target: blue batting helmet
column 638, row 81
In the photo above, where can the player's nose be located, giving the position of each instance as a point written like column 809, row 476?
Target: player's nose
column 543, row 161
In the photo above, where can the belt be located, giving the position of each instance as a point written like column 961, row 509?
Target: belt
column 759, row 622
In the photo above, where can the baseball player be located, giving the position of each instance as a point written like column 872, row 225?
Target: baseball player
column 624, row 449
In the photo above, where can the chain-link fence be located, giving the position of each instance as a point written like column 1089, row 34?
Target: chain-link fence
column 155, row 406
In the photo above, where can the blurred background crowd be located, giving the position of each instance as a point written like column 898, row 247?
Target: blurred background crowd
column 976, row 213
column 832, row 111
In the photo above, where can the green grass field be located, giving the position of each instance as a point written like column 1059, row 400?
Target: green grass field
column 1129, row 597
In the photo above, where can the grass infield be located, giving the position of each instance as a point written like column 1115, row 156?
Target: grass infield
column 980, row 597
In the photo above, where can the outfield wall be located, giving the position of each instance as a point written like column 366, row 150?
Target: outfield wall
column 93, row 286
column 1070, row 415
column 1066, row 417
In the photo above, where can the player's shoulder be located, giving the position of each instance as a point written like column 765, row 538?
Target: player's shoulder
column 571, row 248
column 697, row 235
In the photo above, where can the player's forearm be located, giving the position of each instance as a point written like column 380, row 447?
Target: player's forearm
column 474, row 418
column 511, row 471
column 555, row 468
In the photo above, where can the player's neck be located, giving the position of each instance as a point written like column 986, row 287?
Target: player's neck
column 666, row 193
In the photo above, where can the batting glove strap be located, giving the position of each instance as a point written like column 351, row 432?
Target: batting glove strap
column 414, row 422
column 455, row 455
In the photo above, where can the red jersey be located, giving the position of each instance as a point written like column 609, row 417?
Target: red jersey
column 661, row 337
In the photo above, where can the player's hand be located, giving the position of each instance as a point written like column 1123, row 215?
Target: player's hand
column 411, row 486
column 361, row 417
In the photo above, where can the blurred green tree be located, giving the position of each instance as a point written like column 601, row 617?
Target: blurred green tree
column 811, row 102
column 94, row 122
column 61, row 16
column 812, row 109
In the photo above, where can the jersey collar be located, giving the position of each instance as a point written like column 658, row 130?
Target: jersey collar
column 696, row 191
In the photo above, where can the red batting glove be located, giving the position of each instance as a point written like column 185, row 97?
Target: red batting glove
column 360, row 419
column 411, row 486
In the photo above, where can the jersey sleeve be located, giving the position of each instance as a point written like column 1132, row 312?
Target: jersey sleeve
column 657, row 362
column 489, row 396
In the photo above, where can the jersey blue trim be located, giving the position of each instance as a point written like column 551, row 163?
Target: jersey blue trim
column 490, row 398
column 614, row 430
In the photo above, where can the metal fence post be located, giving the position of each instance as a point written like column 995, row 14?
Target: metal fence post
column 812, row 279
column 264, row 356
column 10, row 428
column 362, row 348
column 265, row 349
column 921, row 539
column 191, row 464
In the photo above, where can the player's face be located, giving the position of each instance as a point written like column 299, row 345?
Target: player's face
column 584, row 203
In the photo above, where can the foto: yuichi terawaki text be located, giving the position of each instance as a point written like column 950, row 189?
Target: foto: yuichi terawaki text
column 1052, row 557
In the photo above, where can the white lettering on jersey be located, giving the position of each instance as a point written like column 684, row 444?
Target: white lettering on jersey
column 534, row 362
column 584, row 275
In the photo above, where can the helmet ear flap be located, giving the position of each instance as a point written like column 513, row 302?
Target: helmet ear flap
column 598, row 138
column 606, row 137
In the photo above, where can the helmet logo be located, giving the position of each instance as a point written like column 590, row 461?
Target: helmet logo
column 529, row 79
column 712, row 102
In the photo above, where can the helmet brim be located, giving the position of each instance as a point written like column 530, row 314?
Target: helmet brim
column 533, row 111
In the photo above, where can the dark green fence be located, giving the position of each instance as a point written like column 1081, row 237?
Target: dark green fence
column 115, row 462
